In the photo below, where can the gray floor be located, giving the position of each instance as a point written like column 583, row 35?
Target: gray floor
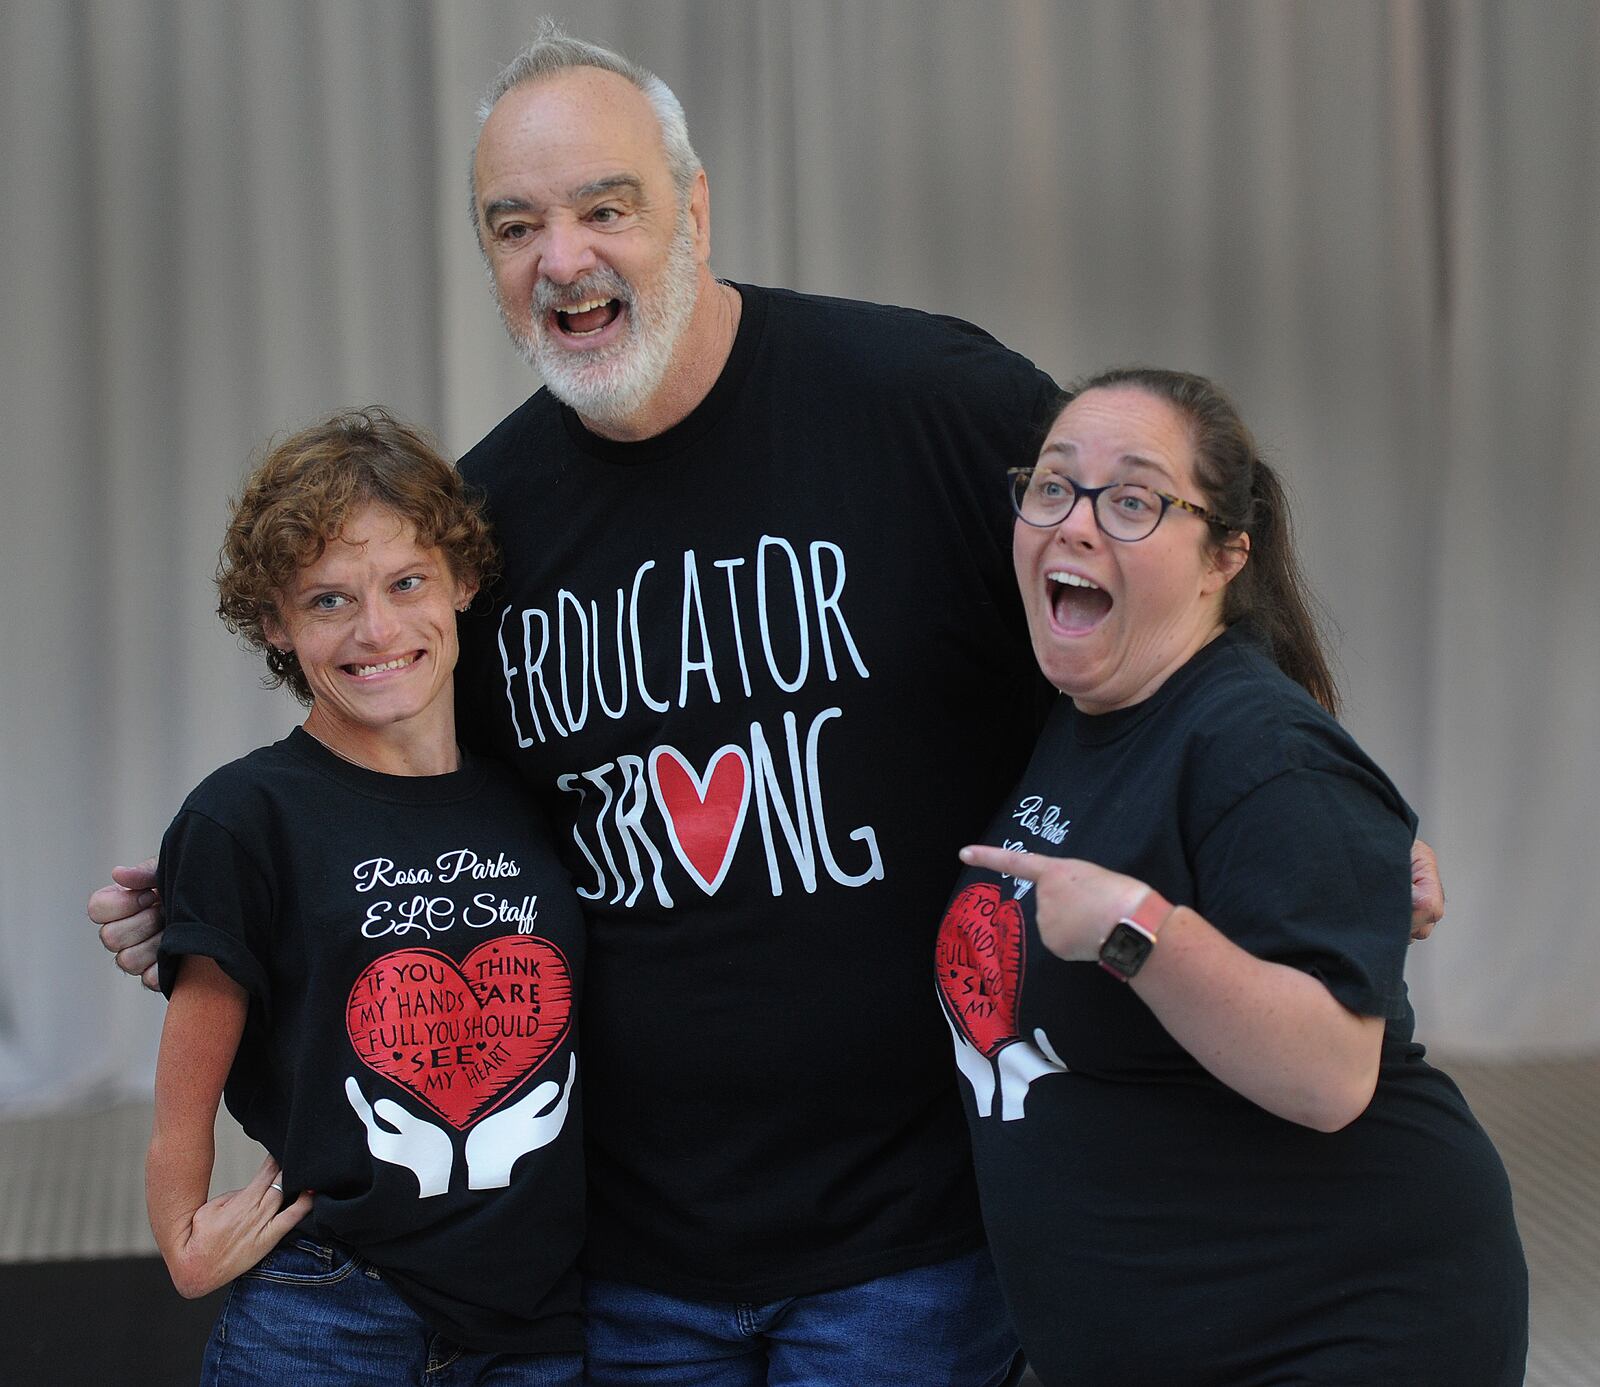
column 72, row 1187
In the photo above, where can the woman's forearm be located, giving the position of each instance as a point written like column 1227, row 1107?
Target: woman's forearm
column 177, row 1181
column 1272, row 1033
column 205, row 1019
column 1268, row 1031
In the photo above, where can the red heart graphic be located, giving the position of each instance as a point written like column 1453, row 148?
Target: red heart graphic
column 461, row 1038
column 704, row 813
column 979, row 958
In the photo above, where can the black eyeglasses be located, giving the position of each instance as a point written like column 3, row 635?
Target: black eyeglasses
column 1045, row 498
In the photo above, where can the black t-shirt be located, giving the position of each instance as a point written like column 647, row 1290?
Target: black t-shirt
column 1150, row 1224
column 767, row 671
column 410, row 944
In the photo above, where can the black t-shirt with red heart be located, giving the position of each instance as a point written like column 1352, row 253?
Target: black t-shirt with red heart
column 767, row 671
column 413, row 952
column 1150, row 1224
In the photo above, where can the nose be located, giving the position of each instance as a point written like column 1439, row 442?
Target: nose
column 567, row 253
column 378, row 622
column 1080, row 524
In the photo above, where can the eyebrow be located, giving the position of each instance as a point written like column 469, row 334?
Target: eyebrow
column 426, row 562
column 505, row 204
column 1126, row 460
column 599, row 187
column 610, row 184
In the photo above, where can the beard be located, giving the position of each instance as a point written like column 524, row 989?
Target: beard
column 613, row 382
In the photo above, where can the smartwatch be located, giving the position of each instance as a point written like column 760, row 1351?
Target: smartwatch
column 1133, row 938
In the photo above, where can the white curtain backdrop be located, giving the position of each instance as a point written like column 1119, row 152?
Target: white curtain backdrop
column 1379, row 223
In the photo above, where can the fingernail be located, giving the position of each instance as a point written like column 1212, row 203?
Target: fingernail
column 146, row 898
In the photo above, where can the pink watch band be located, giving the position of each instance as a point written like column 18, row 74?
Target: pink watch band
column 1152, row 912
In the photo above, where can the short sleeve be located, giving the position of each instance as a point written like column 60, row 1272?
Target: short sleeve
column 1313, row 869
column 216, row 902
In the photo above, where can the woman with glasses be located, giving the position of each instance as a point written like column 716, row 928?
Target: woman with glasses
column 1209, row 1150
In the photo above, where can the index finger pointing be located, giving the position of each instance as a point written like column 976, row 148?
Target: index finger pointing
column 1006, row 861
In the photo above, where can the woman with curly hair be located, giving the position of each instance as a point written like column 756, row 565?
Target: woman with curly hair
column 372, row 952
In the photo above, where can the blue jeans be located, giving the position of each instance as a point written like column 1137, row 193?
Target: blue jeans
column 316, row 1316
column 938, row 1326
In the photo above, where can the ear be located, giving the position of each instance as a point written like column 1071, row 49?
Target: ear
column 277, row 636
column 1227, row 560
column 700, row 217
column 465, row 592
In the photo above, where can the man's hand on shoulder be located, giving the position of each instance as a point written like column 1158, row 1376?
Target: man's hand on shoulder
column 129, row 915
column 1427, row 891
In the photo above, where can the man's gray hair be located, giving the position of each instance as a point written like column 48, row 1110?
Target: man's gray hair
column 550, row 51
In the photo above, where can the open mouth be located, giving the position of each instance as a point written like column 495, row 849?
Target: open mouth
column 386, row 667
column 586, row 319
column 1077, row 605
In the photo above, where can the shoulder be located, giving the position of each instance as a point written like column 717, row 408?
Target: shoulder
column 220, row 845
column 232, row 792
column 537, row 420
column 885, row 343
column 1247, row 723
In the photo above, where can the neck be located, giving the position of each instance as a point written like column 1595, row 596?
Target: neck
column 395, row 750
column 1180, row 656
column 697, row 362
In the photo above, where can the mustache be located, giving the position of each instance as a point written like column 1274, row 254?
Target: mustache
column 601, row 283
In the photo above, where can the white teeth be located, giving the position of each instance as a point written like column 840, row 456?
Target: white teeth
column 1072, row 580
column 400, row 663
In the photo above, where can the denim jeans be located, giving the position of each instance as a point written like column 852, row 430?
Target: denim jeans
column 315, row 1316
column 939, row 1326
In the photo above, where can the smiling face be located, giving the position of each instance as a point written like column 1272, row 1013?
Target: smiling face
column 373, row 624
column 597, row 266
column 1110, row 621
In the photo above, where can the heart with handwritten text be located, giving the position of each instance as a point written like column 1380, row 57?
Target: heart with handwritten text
column 461, row 1037
column 979, row 961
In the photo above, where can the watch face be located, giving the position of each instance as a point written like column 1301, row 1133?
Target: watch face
column 1126, row 949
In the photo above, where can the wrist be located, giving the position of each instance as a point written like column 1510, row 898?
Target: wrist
column 1132, row 938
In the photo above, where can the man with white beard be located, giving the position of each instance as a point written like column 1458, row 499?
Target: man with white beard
column 608, row 384
column 758, row 654
column 602, row 283
column 723, row 520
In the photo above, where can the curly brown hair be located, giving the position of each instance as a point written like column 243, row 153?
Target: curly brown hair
column 302, row 492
